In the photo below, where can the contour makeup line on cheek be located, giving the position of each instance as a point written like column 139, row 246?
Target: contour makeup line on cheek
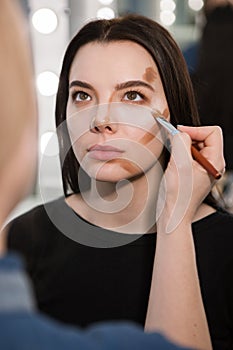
column 166, row 113
column 150, row 134
column 157, row 113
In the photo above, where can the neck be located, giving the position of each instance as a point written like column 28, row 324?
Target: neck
column 129, row 206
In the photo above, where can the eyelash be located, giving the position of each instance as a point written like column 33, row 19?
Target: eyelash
column 74, row 95
column 142, row 96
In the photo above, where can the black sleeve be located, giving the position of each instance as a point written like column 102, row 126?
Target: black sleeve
column 24, row 237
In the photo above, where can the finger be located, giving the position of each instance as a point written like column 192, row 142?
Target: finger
column 211, row 137
column 207, row 134
column 198, row 145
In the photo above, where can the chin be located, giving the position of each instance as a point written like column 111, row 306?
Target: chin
column 114, row 172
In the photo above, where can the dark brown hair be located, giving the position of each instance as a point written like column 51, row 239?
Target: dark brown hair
column 167, row 56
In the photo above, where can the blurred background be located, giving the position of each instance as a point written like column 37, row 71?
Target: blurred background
column 52, row 23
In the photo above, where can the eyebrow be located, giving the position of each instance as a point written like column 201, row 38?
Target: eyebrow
column 118, row 87
column 81, row 84
column 133, row 83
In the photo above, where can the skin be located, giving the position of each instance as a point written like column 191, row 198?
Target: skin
column 88, row 65
column 94, row 105
column 142, row 155
column 172, row 265
column 150, row 74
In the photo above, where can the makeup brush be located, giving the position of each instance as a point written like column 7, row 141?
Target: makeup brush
column 195, row 153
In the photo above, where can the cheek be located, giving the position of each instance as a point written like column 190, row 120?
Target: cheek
column 79, row 146
column 144, row 150
column 79, row 122
column 156, row 147
column 147, row 138
column 150, row 138
column 159, row 103
column 149, row 147
column 78, row 128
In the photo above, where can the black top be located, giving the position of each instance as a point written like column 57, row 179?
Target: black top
column 82, row 284
column 24, row 329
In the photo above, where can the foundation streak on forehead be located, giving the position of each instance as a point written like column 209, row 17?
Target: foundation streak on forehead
column 150, row 74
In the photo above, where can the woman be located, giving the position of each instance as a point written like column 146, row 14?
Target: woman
column 111, row 70
column 21, row 326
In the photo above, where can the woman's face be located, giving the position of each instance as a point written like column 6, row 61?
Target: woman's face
column 113, row 88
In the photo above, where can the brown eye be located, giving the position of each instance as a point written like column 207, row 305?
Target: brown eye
column 82, row 96
column 133, row 96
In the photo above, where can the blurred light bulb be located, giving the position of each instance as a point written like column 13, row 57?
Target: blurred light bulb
column 44, row 20
column 196, row 5
column 47, row 83
column 106, row 2
column 167, row 17
column 105, row 13
column 49, row 144
column 167, row 5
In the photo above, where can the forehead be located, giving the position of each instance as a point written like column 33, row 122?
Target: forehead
column 126, row 57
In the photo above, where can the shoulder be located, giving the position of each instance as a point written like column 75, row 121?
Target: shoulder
column 213, row 238
column 36, row 214
column 215, row 232
column 216, row 220
column 27, row 228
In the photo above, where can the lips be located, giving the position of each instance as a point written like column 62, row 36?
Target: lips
column 104, row 152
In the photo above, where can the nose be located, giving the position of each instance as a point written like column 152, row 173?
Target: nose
column 102, row 121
